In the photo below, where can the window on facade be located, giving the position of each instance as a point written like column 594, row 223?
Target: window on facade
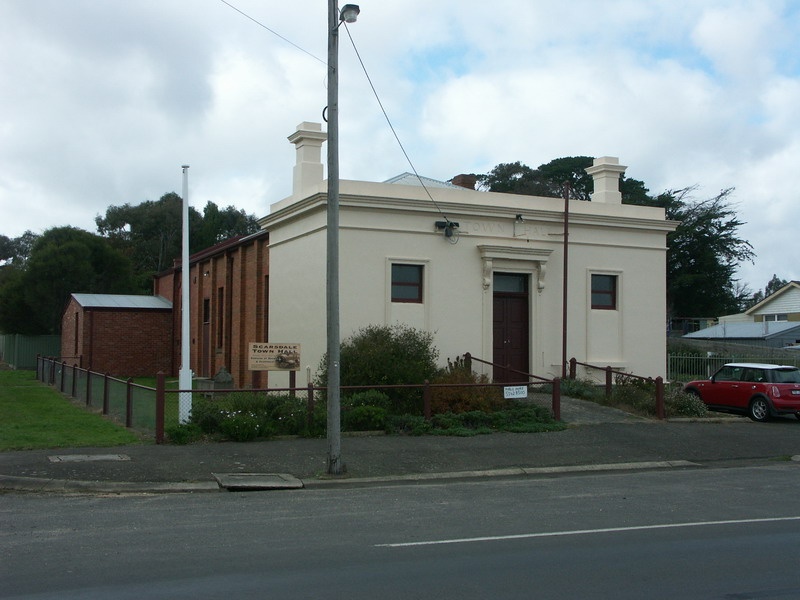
column 407, row 283
column 776, row 317
column 510, row 283
column 604, row 292
column 220, row 315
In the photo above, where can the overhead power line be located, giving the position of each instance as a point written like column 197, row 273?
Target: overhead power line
column 273, row 32
column 371, row 85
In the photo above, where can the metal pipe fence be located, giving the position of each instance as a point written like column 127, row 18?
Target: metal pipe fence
column 154, row 409
column 612, row 375
column 123, row 400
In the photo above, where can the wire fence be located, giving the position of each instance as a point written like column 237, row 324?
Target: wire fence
column 683, row 368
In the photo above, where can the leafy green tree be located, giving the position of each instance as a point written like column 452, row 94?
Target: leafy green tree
column 702, row 254
column 63, row 260
column 150, row 233
column 552, row 178
column 16, row 250
column 15, row 314
column 773, row 285
column 219, row 225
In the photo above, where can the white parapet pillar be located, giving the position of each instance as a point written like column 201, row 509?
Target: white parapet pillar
column 606, row 172
column 185, row 374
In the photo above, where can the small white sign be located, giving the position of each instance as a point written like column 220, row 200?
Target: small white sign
column 515, row 391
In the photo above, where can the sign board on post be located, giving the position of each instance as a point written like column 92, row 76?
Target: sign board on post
column 515, row 391
column 273, row 357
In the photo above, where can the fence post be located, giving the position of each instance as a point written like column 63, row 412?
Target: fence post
column 105, row 394
column 573, row 367
column 468, row 362
column 660, row 412
column 88, row 388
column 609, row 373
column 426, row 400
column 557, row 399
column 160, row 386
column 310, row 406
column 292, row 383
column 129, row 403
column 74, row 381
column 52, row 378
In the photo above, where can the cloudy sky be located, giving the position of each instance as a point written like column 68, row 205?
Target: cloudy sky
column 102, row 101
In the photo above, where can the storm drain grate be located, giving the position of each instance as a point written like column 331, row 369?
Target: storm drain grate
column 88, row 457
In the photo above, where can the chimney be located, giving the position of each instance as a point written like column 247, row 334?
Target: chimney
column 308, row 167
column 606, row 172
column 465, row 181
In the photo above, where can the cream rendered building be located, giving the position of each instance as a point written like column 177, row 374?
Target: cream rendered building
column 492, row 286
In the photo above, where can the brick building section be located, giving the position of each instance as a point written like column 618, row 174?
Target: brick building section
column 228, row 305
column 115, row 339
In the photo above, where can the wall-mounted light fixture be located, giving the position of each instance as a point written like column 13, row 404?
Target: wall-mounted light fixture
column 448, row 227
column 520, row 228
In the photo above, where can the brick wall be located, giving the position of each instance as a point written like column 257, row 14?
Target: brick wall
column 120, row 342
column 129, row 343
column 227, row 305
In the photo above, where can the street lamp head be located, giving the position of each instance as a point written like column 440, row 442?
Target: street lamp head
column 349, row 13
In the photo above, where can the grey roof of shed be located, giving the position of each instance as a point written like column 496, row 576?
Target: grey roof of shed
column 411, row 179
column 122, row 301
column 744, row 330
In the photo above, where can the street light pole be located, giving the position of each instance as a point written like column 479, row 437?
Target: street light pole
column 348, row 13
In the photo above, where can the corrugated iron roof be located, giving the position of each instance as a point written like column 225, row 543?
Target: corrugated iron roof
column 748, row 330
column 411, row 179
column 122, row 301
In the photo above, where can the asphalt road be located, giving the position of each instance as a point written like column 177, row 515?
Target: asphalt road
column 683, row 533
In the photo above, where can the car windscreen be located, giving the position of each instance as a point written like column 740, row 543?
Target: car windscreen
column 788, row 375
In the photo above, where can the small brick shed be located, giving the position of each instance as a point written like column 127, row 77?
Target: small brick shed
column 122, row 335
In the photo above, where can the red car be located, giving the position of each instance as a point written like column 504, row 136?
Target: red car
column 756, row 390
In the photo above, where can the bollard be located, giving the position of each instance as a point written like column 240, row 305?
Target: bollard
column 557, row 399
column 660, row 410
column 310, row 406
column 105, row 394
column 160, row 386
column 129, row 404
column 426, row 400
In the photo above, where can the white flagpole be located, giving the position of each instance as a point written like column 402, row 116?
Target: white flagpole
column 185, row 375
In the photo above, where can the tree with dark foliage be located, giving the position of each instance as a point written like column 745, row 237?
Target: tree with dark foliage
column 64, row 260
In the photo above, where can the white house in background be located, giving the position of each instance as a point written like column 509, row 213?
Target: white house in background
column 482, row 271
column 773, row 322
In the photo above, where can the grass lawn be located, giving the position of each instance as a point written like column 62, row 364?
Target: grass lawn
column 33, row 415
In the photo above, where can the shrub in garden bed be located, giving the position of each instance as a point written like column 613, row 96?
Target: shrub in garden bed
column 682, row 404
column 479, row 397
column 245, row 416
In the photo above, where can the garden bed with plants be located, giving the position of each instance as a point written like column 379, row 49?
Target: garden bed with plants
column 387, row 365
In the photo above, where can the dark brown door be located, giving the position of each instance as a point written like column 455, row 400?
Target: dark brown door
column 511, row 327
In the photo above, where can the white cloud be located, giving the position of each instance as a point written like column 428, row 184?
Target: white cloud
column 100, row 103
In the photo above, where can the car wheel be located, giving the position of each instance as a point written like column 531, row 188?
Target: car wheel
column 797, row 416
column 759, row 409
